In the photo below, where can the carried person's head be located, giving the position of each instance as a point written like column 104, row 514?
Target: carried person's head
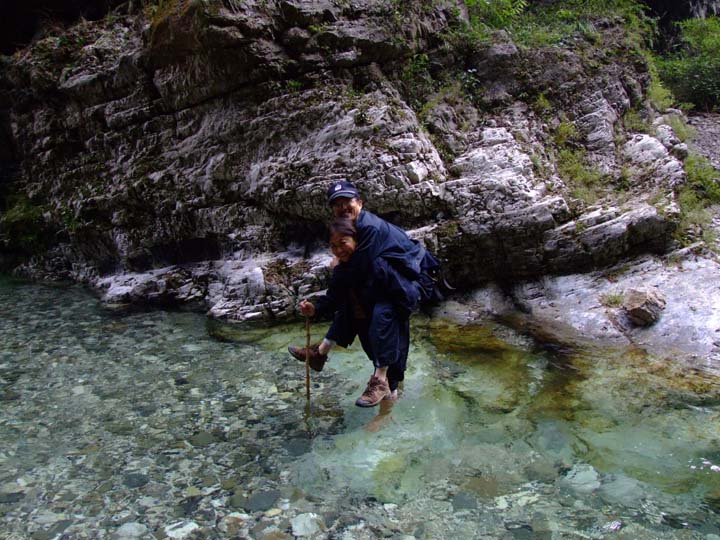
column 343, row 238
column 344, row 200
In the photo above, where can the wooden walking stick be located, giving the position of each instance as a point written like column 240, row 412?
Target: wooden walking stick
column 307, row 358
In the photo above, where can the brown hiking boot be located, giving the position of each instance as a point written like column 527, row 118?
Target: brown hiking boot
column 317, row 360
column 376, row 391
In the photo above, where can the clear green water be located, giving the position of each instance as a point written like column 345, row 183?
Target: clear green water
column 107, row 419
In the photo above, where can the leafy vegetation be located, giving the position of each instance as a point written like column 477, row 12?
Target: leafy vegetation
column 544, row 25
column 565, row 133
column 682, row 129
column 161, row 11
column 635, row 122
column 583, row 179
column 693, row 71
column 495, row 13
column 417, row 79
column 658, row 94
column 612, row 300
column 701, row 190
column 703, row 178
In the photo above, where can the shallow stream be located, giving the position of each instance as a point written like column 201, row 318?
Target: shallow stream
column 152, row 425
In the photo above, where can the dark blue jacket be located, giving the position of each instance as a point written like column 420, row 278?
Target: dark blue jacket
column 378, row 238
column 386, row 264
column 383, row 282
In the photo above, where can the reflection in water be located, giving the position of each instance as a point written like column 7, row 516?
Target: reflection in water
column 144, row 419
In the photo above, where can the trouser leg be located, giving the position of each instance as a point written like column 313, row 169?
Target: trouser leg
column 396, row 371
column 389, row 337
column 342, row 329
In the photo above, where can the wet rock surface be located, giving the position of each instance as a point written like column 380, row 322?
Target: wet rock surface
column 142, row 426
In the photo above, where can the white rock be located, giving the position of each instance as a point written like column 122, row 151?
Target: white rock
column 581, row 479
column 307, row 524
column 130, row 531
column 180, row 530
column 644, row 149
column 492, row 136
column 46, row 517
column 417, row 171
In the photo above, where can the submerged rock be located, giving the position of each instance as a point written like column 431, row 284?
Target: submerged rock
column 234, row 523
column 622, row 490
column 259, row 502
column 581, row 479
column 131, row 531
column 307, row 524
column 181, row 530
column 135, row 480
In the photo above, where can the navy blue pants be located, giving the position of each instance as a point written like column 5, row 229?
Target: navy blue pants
column 385, row 337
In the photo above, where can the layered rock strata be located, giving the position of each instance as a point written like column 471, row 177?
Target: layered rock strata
column 181, row 156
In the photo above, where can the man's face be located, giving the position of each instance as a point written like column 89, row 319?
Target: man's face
column 346, row 208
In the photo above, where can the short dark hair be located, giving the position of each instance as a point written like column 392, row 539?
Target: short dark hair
column 343, row 226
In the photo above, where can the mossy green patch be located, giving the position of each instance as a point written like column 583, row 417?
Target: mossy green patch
column 449, row 337
column 682, row 129
column 583, row 179
column 22, row 225
column 236, row 332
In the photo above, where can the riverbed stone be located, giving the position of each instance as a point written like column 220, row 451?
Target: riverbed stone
column 261, row 501
column 463, row 501
column 202, row 439
column 308, row 524
column 622, row 490
column 181, row 530
column 135, row 480
column 234, row 523
column 131, row 531
column 557, row 408
column 11, row 497
column 581, row 479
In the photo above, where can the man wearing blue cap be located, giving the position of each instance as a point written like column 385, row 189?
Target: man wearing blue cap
column 383, row 251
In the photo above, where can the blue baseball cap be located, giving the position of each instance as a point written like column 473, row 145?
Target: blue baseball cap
column 342, row 188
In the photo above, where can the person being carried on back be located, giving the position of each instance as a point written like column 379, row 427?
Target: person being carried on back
column 381, row 278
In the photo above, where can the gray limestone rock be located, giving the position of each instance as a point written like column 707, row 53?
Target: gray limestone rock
column 570, row 310
column 261, row 501
column 653, row 161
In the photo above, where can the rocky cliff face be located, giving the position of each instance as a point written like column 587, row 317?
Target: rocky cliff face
column 181, row 155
